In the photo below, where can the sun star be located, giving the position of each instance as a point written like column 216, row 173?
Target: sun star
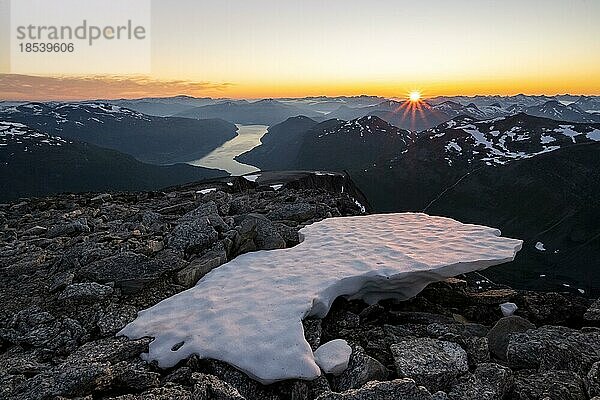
column 414, row 96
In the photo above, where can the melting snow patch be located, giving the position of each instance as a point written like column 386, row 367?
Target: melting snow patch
column 251, row 178
column 206, row 191
column 248, row 312
column 508, row 309
column 540, row 246
column 276, row 187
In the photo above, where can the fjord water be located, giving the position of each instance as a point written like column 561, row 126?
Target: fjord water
column 223, row 157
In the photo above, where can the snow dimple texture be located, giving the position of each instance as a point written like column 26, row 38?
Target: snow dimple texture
column 248, row 312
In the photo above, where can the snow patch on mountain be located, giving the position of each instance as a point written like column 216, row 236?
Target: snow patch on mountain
column 249, row 311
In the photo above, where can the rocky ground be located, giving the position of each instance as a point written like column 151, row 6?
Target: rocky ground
column 75, row 269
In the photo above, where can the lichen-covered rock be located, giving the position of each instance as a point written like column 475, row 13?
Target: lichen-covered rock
column 209, row 387
column 554, row 348
column 199, row 267
column 432, row 363
column 167, row 392
column 553, row 385
column 361, row 369
column 86, row 292
column 404, row 389
column 500, row 333
column 593, row 313
column 197, row 230
column 110, row 350
column 129, row 271
column 592, row 381
column 489, row 381
column 261, row 231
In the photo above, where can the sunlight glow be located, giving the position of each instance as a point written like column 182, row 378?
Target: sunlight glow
column 414, row 96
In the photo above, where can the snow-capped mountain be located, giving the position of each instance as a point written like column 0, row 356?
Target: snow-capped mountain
column 501, row 140
column 333, row 144
column 148, row 138
column 15, row 137
column 589, row 103
column 454, row 109
column 561, row 112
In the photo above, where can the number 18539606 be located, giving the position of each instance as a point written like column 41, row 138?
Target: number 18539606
column 46, row 47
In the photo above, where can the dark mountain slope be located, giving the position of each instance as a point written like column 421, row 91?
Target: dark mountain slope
column 150, row 139
column 33, row 164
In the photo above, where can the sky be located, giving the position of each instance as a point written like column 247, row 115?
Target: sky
column 293, row 48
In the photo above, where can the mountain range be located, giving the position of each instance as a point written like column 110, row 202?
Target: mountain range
column 151, row 139
column 33, row 163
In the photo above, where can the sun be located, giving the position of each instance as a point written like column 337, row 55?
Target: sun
column 414, row 96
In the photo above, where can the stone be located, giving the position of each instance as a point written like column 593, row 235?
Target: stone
column 61, row 281
column 111, row 350
column 489, row 381
column 432, row 363
column 65, row 380
column 499, row 335
column 101, row 198
column 508, row 309
column 333, row 357
column 201, row 266
column 69, row 229
column 554, row 348
column 592, row 381
column 261, row 230
column 129, row 271
column 553, row 385
column 404, row 389
column 167, row 392
column 130, row 376
column 114, row 318
column 196, row 230
column 35, row 231
column 209, row 387
column 361, row 369
column 86, row 292
column 300, row 212
column 593, row 312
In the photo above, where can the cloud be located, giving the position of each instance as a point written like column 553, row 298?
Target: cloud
column 29, row 87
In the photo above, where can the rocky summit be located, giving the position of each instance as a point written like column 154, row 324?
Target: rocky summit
column 75, row 269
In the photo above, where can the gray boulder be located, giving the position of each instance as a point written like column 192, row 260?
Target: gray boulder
column 489, row 381
column 201, row 266
column 169, row 391
column 554, row 348
column 553, row 385
column 499, row 335
column 86, row 292
column 299, row 212
column 432, row 363
column 261, row 231
column 129, row 271
column 361, row 369
column 404, row 389
column 209, row 387
column 197, row 230
column 592, row 381
column 593, row 313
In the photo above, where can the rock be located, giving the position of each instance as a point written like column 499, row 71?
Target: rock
column 593, row 313
column 129, row 271
column 554, row 385
column 508, row 309
column 61, row 281
column 361, row 369
column 432, row 363
column 201, row 266
column 209, row 387
column 35, row 231
column 547, row 308
column 333, row 357
column 488, row 382
column 111, row 350
column 197, row 230
column 101, row 198
column 167, row 392
column 69, row 229
column 65, row 380
column 60, row 335
column 300, row 212
column 261, row 230
column 500, row 333
column 592, row 381
column 312, row 332
column 554, row 348
column 477, row 348
column 20, row 363
column 130, row 376
column 114, row 318
column 401, row 389
column 86, row 292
